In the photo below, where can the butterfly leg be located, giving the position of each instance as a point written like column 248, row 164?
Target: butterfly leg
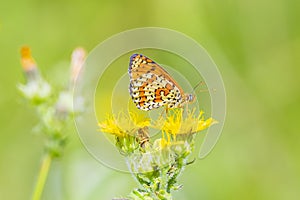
column 167, row 110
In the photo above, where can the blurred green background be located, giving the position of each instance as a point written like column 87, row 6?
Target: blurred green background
column 256, row 45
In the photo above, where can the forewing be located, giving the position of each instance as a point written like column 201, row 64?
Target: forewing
column 140, row 65
column 150, row 85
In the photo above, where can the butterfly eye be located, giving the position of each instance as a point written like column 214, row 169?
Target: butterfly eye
column 191, row 98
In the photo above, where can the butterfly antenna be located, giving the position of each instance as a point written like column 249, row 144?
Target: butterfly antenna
column 197, row 85
column 203, row 90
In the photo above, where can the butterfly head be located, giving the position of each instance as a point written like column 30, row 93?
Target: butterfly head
column 189, row 98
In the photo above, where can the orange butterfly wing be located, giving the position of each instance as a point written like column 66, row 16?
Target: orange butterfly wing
column 151, row 86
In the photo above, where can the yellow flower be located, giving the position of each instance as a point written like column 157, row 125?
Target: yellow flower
column 176, row 124
column 124, row 124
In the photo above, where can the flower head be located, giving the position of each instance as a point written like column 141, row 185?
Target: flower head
column 28, row 63
column 177, row 124
column 127, row 128
column 36, row 89
column 124, row 124
column 77, row 61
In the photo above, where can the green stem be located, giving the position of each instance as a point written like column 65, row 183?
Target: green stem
column 42, row 177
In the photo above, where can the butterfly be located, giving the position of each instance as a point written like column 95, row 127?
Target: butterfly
column 152, row 87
